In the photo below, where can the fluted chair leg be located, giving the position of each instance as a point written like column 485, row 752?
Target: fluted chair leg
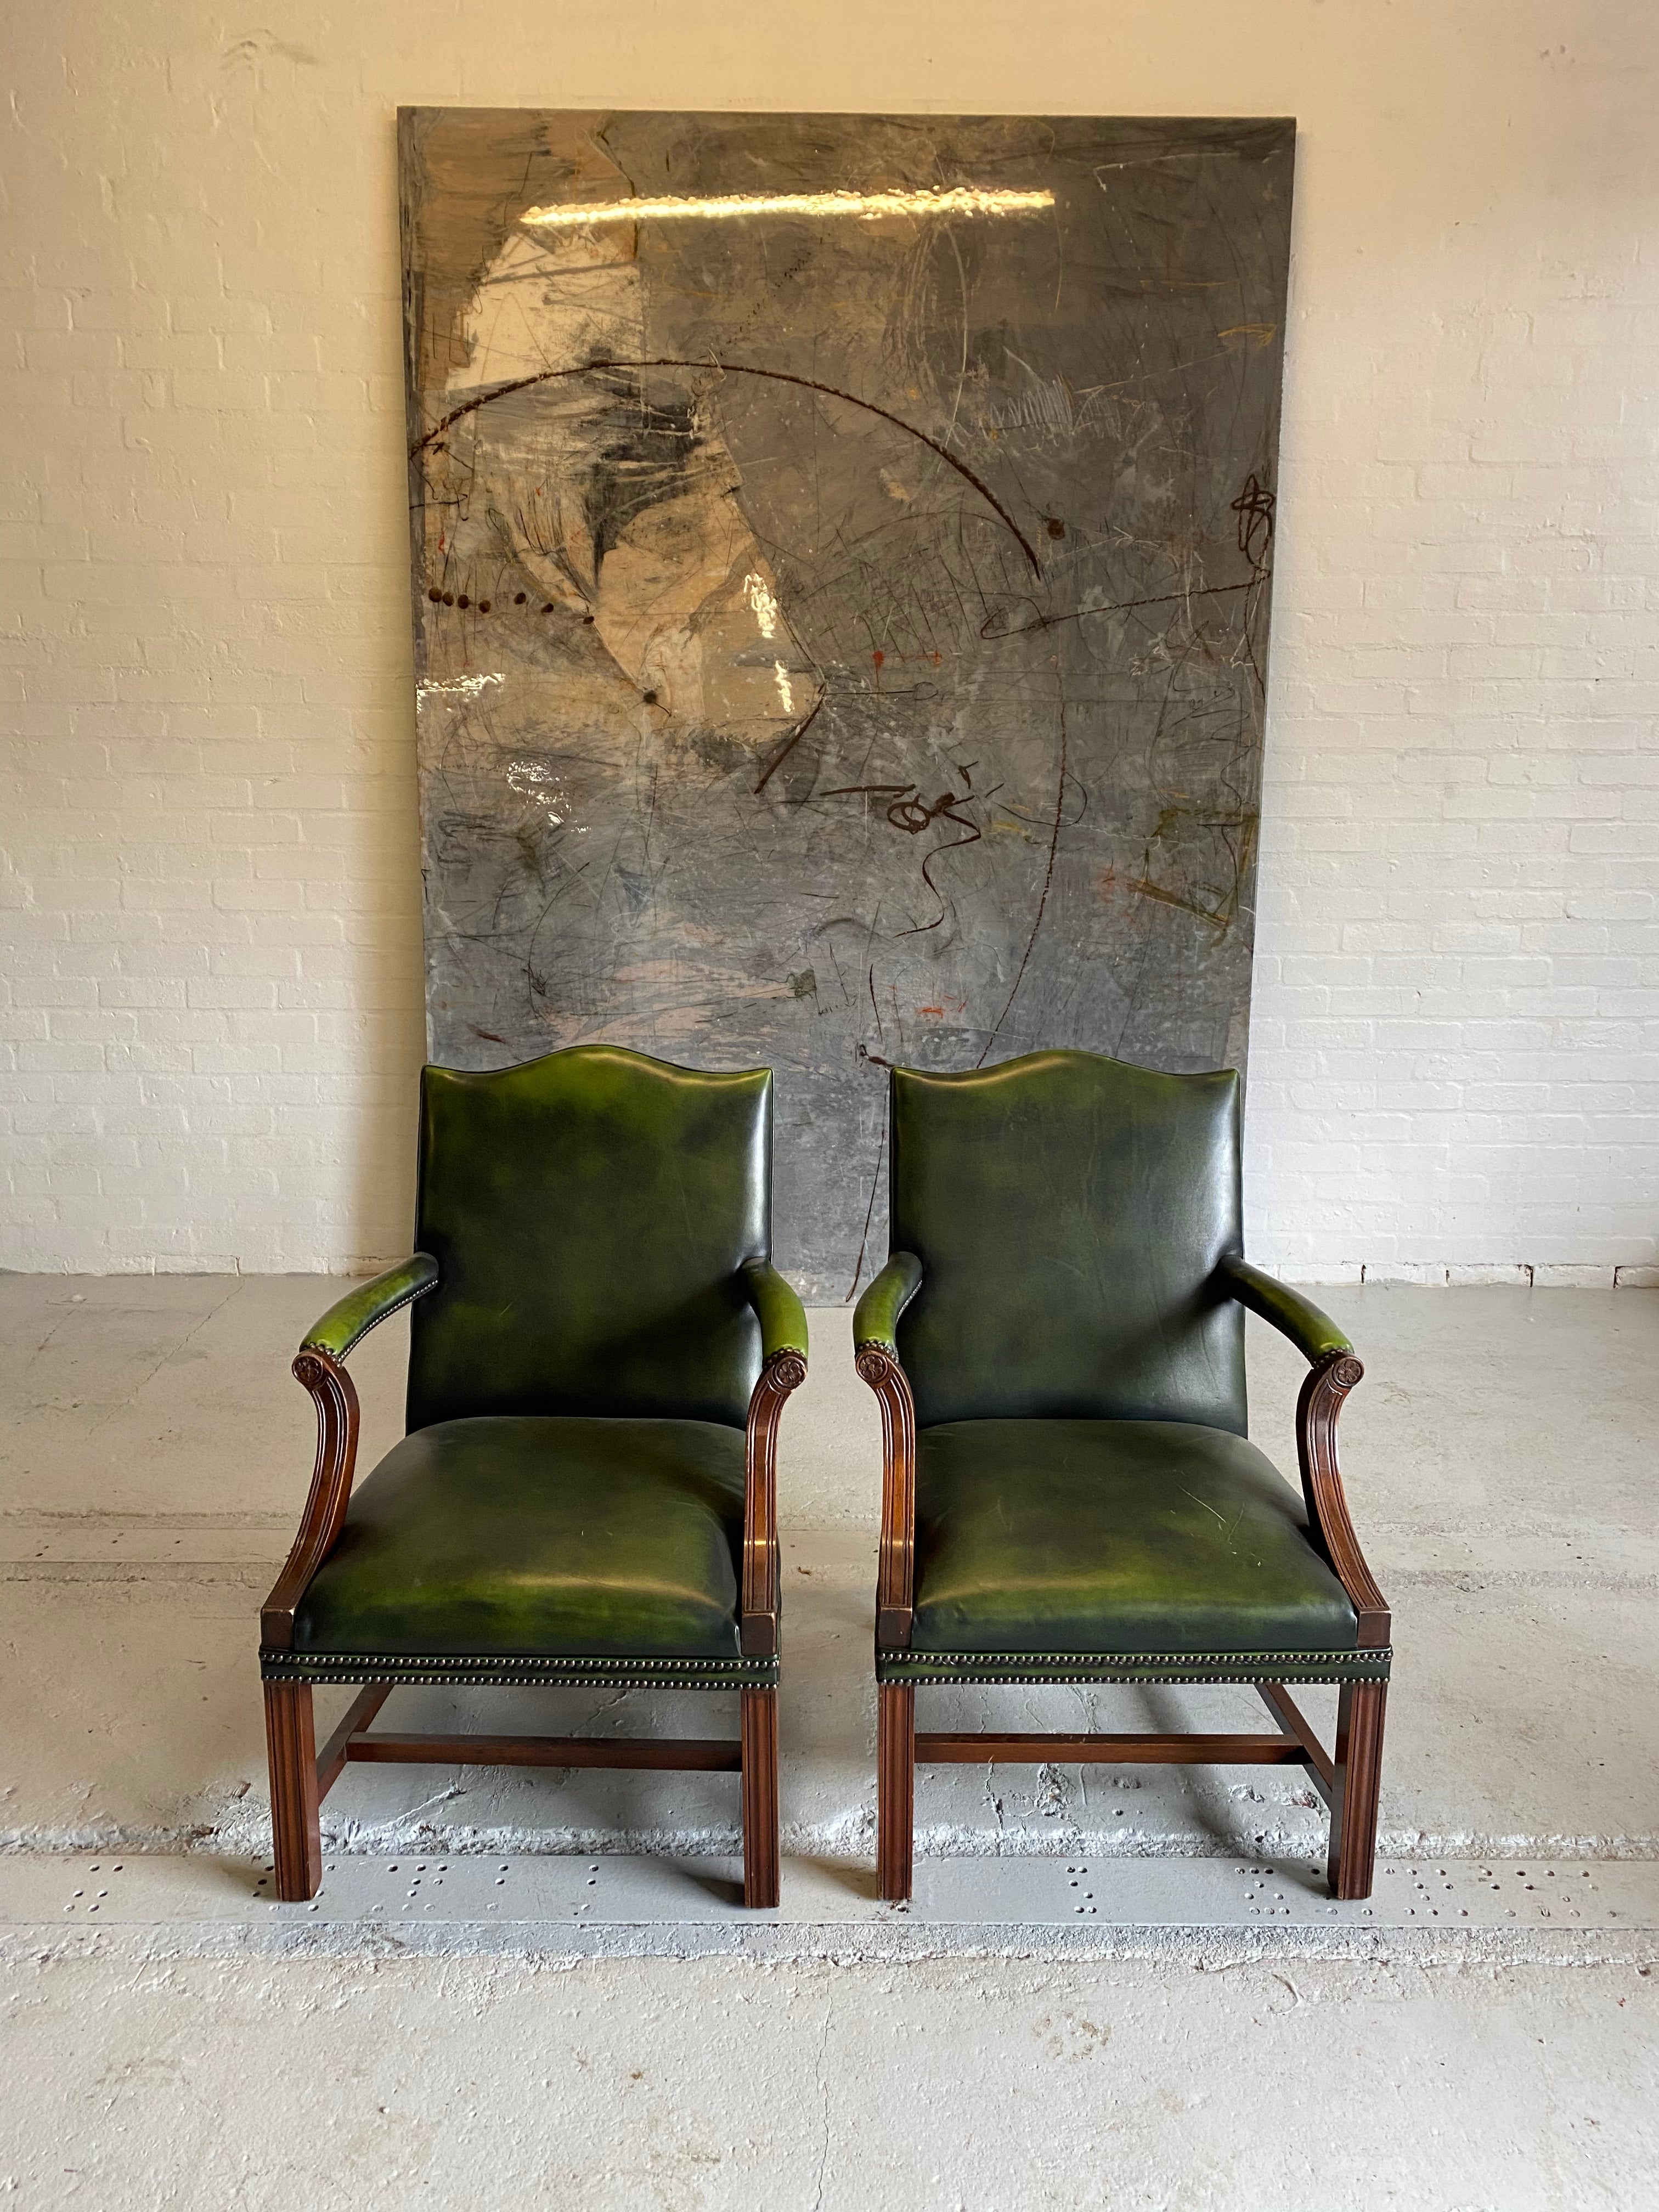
column 291, row 1741
column 1358, row 1765
column 896, row 1787
column 759, row 1797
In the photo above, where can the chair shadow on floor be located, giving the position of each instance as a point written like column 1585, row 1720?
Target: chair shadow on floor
column 1154, row 1709
column 1166, row 1709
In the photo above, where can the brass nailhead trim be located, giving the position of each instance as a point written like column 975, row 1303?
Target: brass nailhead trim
column 926, row 1677
column 407, row 1298
column 965, row 1667
column 586, row 1673
column 1152, row 1658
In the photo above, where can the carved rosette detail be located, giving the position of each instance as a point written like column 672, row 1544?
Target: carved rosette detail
column 875, row 1363
column 785, row 1372
column 1346, row 1372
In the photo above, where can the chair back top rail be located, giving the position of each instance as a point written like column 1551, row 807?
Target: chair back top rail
column 590, row 1213
column 1070, row 1213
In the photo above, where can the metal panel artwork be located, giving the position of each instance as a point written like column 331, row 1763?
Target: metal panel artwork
column 841, row 549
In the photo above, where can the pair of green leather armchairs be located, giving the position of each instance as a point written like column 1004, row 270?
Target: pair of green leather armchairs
column 601, row 1349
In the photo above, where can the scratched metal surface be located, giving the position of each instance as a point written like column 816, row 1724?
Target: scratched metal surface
column 841, row 635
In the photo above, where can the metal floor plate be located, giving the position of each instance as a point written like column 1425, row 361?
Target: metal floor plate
column 650, row 1907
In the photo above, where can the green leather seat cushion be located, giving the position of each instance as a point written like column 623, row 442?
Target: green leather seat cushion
column 545, row 1535
column 1113, row 1536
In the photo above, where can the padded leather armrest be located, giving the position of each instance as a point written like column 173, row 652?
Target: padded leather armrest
column 780, row 1312
column 1314, row 1333
column 876, row 1316
column 353, row 1316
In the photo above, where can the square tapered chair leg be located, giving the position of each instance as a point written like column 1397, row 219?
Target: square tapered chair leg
column 1358, row 1766
column 759, row 1797
column 895, row 1787
column 291, row 1741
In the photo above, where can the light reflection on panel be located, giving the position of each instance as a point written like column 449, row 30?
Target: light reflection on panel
column 869, row 207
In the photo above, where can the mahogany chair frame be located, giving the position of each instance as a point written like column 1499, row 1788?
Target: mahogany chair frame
column 1348, row 1779
column 301, row 1775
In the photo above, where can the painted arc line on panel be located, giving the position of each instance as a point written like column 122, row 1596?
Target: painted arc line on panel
column 738, row 368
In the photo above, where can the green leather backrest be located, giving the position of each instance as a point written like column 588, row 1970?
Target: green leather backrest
column 588, row 1213
column 1068, row 1212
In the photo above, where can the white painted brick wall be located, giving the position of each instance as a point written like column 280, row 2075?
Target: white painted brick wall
column 212, row 1002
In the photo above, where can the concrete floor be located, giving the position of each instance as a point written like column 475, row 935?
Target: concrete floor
column 154, row 1454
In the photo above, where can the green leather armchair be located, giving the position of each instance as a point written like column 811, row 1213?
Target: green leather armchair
column 600, row 1351
column 1057, row 1344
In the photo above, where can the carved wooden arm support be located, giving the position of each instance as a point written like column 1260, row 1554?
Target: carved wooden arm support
column 1329, row 1380
column 896, row 1571
column 786, row 1370
column 320, row 1365
column 875, row 1340
column 1333, row 1372
column 783, row 1368
column 336, row 1402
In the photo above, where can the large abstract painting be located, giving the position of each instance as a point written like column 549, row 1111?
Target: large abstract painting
column 841, row 560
